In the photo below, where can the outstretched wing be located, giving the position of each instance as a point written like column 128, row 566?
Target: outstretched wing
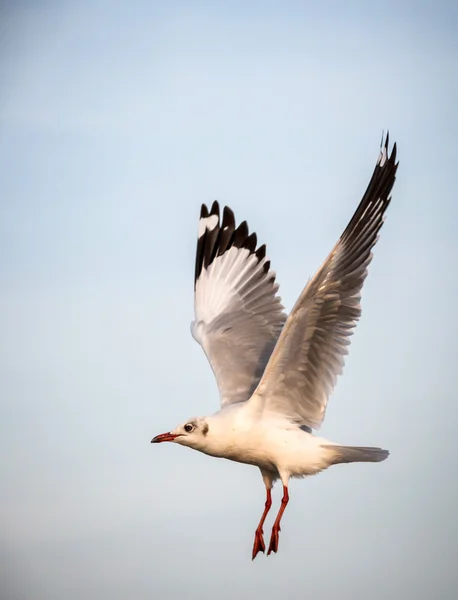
column 309, row 354
column 238, row 314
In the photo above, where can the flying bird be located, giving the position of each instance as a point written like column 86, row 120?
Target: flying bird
column 275, row 372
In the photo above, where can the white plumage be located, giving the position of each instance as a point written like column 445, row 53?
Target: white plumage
column 275, row 374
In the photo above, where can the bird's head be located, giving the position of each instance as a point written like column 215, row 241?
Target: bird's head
column 192, row 433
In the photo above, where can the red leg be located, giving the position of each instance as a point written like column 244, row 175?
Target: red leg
column 259, row 545
column 273, row 546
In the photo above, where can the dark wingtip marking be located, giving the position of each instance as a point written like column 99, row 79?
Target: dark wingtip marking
column 250, row 242
column 215, row 208
column 261, row 252
column 376, row 198
column 227, row 231
column 228, row 218
column 207, row 242
column 241, row 234
column 385, row 139
column 393, row 154
column 217, row 241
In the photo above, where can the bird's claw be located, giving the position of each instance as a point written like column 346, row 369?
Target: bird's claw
column 273, row 545
column 259, row 545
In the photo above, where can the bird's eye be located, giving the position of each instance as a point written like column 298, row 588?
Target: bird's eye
column 188, row 427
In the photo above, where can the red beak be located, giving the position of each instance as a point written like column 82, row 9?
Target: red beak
column 164, row 437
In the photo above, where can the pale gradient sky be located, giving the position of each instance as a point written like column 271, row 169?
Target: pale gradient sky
column 116, row 121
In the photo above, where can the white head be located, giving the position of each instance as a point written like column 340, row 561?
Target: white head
column 193, row 433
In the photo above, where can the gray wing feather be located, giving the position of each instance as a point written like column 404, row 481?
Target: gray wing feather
column 310, row 351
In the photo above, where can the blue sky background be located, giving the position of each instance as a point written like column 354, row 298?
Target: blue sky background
column 116, row 121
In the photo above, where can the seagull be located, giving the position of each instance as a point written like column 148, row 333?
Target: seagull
column 275, row 372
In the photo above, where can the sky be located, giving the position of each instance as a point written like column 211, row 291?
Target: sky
column 117, row 120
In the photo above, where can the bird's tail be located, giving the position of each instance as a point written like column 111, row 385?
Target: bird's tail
column 349, row 454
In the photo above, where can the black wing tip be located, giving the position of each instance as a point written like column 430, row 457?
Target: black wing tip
column 377, row 195
column 385, row 157
column 228, row 217
column 206, row 212
column 215, row 208
column 223, row 236
column 251, row 242
column 241, row 234
column 261, row 252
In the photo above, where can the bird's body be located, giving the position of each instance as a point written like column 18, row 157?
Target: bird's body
column 275, row 374
column 278, row 447
column 274, row 445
